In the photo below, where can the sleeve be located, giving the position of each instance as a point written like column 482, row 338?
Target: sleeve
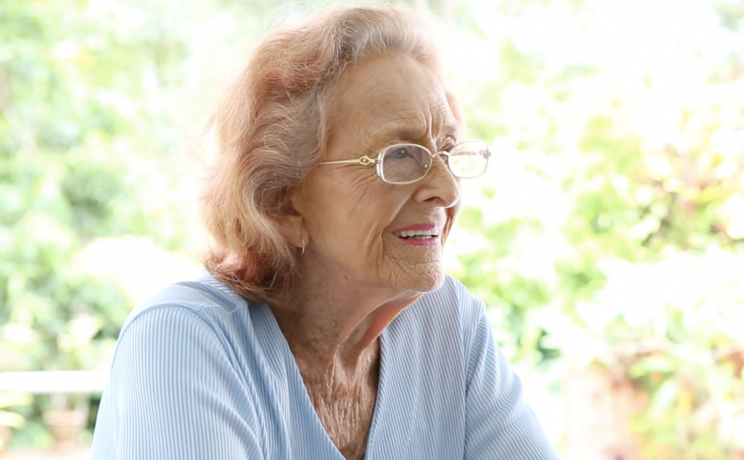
column 174, row 394
column 498, row 422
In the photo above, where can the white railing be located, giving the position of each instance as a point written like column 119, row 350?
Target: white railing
column 50, row 382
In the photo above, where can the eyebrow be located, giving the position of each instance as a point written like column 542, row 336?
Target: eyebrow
column 412, row 135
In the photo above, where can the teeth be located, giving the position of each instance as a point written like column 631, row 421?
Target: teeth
column 418, row 233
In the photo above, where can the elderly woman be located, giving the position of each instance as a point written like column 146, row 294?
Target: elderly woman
column 325, row 327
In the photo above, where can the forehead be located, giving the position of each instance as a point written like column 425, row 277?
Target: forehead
column 391, row 97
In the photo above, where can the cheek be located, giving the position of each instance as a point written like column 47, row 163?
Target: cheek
column 367, row 186
column 371, row 202
column 371, row 211
column 355, row 213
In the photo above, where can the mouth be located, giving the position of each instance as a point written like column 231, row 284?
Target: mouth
column 420, row 234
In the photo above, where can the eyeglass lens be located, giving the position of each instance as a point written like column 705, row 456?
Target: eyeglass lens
column 405, row 163
column 468, row 159
column 410, row 162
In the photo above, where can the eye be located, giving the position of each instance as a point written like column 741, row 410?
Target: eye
column 405, row 162
column 400, row 153
column 448, row 144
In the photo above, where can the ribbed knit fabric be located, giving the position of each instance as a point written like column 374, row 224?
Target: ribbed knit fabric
column 201, row 373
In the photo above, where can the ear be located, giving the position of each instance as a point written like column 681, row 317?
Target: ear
column 291, row 220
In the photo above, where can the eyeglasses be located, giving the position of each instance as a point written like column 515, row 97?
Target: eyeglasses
column 407, row 163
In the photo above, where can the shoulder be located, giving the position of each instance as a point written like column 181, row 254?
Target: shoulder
column 188, row 319
column 455, row 311
column 204, row 301
column 452, row 292
column 176, row 365
column 187, row 329
column 448, row 316
column 453, row 301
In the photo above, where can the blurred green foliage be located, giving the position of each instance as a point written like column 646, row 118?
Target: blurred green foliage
column 610, row 228
column 79, row 153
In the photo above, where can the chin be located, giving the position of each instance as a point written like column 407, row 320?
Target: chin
column 426, row 283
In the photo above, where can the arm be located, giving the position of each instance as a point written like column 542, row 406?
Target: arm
column 499, row 423
column 174, row 394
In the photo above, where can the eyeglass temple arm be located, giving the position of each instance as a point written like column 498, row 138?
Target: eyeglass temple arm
column 365, row 161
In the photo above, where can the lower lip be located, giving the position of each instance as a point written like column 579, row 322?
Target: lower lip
column 433, row 241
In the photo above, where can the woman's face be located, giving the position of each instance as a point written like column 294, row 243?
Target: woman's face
column 352, row 219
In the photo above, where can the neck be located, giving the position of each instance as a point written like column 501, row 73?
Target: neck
column 332, row 324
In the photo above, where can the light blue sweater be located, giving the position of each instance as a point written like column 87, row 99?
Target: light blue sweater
column 201, row 373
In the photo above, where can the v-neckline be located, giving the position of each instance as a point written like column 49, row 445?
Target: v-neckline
column 393, row 417
column 307, row 401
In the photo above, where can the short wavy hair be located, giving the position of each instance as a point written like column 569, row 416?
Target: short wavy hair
column 270, row 128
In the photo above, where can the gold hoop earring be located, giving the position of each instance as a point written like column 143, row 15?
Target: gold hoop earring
column 303, row 247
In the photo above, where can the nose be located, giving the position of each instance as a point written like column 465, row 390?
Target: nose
column 439, row 188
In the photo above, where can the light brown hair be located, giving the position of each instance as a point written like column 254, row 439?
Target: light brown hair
column 269, row 129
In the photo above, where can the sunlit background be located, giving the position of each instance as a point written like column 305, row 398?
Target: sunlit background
column 607, row 237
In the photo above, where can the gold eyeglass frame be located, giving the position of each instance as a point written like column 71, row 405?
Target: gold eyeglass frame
column 367, row 161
